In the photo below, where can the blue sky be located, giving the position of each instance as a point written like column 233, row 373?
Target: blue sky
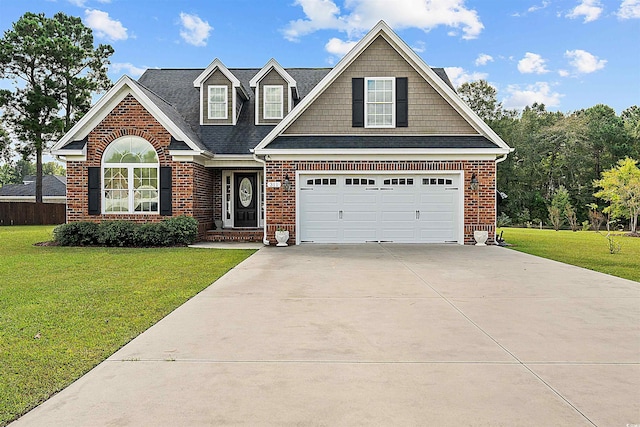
column 568, row 54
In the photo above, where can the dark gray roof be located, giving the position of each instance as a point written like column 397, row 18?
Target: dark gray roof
column 365, row 141
column 172, row 91
column 175, row 86
column 52, row 185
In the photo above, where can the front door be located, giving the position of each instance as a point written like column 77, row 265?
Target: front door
column 246, row 205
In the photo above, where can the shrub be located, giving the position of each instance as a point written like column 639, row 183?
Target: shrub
column 76, row 234
column 176, row 231
column 503, row 220
column 116, row 233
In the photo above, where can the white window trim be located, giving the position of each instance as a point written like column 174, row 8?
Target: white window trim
column 264, row 102
column 130, row 179
column 393, row 103
column 226, row 101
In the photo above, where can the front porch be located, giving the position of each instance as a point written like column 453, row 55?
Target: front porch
column 234, row 235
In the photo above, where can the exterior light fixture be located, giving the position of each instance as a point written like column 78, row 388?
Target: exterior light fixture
column 474, row 182
column 286, row 185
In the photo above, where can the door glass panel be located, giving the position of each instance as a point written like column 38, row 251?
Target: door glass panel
column 246, row 192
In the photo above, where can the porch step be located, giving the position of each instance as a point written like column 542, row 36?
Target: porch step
column 234, row 235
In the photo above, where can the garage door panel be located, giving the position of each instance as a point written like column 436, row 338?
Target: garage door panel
column 412, row 212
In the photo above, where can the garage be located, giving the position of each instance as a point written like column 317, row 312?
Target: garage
column 401, row 208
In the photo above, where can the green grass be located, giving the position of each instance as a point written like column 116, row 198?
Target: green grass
column 586, row 249
column 83, row 304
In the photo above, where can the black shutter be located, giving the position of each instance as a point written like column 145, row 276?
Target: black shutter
column 402, row 102
column 165, row 191
column 357, row 95
column 94, row 191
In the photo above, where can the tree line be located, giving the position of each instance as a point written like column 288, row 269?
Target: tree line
column 555, row 151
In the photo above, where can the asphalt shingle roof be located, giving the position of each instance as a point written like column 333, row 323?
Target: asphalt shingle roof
column 377, row 142
column 52, row 185
column 172, row 91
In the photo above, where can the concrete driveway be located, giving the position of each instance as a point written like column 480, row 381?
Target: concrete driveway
column 396, row 335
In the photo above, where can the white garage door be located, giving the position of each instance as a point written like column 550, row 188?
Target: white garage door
column 408, row 208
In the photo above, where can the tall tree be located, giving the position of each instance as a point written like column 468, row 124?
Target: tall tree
column 55, row 69
column 481, row 97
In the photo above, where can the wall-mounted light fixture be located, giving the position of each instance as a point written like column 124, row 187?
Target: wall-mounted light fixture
column 286, row 185
column 474, row 182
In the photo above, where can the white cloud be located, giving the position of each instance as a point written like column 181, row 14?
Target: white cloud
column 362, row 15
column 339, row 47
column 532, row 63
column 540, row 92
column 419, row 47
column 79, row 3
column 629, row 9
column 584, row 62
column 194, row 30
column 590, row 9
column 127, row 68
column 483, row 59
column 542, row 6
column 458, row 75
column 564, row 73
column 104, row 26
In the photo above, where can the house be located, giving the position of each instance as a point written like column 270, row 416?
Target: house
column 53, row 190
column 378, row 148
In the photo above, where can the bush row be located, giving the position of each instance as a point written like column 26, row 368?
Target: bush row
column 177, row 231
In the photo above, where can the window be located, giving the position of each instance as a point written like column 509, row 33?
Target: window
column 273, row 104
column 218, row 102
column 130, row 170
column 359, row 181
column 379, row 102
column 436, row 181
column 398, row 181
column 321, row 181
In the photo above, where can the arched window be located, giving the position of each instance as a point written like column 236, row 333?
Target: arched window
column 130, row 176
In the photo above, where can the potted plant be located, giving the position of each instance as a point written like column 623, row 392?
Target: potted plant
column 481, row 237
column 282, row 235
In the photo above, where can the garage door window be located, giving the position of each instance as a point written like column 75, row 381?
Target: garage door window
column 398, row 181
column 436, row 181
column 359, row 181
column 322, row 181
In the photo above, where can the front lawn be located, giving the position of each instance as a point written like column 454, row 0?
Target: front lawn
column 582, row 248
column 63, row 310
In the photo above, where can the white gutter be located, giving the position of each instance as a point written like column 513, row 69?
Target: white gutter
column 501, row 158
column 264, row 198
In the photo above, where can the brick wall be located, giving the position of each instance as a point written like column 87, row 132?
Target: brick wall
column 479, row 206
column 192, row 183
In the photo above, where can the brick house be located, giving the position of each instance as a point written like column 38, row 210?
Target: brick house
column 378, row 148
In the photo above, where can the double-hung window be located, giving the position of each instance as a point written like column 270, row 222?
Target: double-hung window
column 218, row 102
column 273, row 102
column 379, row 102
column 130, row 176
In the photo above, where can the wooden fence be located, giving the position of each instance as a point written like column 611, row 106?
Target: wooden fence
column 31, row 213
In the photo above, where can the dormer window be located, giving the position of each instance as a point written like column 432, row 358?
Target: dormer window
column 218, row 102
column 273, row 102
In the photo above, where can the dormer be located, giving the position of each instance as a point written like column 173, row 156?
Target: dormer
column 221, row 95
column 275, row 91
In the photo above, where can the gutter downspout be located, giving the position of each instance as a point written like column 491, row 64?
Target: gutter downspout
column 264, row 197
column 501, row 158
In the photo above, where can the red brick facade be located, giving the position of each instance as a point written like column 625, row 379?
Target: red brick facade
column 192, row 183
column 479, row 206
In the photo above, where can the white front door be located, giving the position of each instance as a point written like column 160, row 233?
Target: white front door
column 355, row 208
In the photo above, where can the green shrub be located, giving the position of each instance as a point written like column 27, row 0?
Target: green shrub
column 76, row 234
column 181, row 230
column 116, row 233
column 178, row 231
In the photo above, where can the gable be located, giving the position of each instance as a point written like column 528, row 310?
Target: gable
column 217, row 78
column 429, row 113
